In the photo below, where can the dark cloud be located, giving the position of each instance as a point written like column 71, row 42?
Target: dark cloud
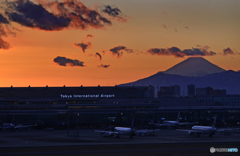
column 115, row 13
column 99, row 56
column 3, row 20
column 103, row 66
column 63, row 61
column 33, row 15
column 228, row 51
column 174, row 51
column 54, row 15
column 118, row 51
column 83, row 46
column 112, row 11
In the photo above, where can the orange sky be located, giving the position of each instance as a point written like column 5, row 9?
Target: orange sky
column 150, row 24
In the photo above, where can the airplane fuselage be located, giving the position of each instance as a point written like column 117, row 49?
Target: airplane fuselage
column 124, row 129
column 197, row 130
column 117, row 131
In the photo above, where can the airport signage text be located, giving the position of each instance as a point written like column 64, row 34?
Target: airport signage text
column 87, row 96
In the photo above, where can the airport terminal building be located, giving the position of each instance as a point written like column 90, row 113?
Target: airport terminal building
column 78, row 93
column 103, row 106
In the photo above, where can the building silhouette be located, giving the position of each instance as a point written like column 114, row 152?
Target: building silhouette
column 191, row 90
column 209, row 91
column 169, row 91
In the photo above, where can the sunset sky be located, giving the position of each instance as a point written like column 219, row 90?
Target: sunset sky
column 110, row 42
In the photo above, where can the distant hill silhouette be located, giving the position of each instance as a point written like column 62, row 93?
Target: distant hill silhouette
column 229, row 80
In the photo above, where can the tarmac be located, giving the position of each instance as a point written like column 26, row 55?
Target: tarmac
column 90, row 137
column 169, row 138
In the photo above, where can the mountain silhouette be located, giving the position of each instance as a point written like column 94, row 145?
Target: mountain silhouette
column 194, row 66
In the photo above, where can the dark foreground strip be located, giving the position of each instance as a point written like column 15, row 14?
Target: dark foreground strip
column 194, row 149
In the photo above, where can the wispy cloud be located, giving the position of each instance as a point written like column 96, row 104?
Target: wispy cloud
column 164, row 12
column 103, row 66
column 3, row 32
column 229, row 51
column 4, row 44
column 118, row 51
column 112, row 11
column 115, row 13
column 89, row 36
column 3, row 20
column 165, row 26
column 83, row 46
column 63, row 61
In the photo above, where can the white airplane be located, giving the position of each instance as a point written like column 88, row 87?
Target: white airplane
column 21, row 127
column 208, row 130
column 129, row 131
column 173, row 124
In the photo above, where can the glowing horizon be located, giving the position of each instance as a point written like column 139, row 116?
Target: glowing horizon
column 126, row 42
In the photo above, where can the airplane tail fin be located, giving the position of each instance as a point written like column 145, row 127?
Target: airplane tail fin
column 214, row 122
column 132, row 123
column 178, row 116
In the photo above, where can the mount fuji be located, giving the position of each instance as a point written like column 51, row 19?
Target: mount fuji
column 197, row 71
column 194, row 66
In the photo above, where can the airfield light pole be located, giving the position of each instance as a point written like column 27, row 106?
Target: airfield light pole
column 77, row 123
column 68, row 120
column 189, row 115
column 154, row 110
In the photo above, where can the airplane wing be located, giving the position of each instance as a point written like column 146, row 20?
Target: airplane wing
column 24, row 126
column 108, row 133
column 229, row 129
column 161, row 125
column 187, row 123
column 184, row 130
column 226, row 130
column 191, row 131
column 144, row 132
